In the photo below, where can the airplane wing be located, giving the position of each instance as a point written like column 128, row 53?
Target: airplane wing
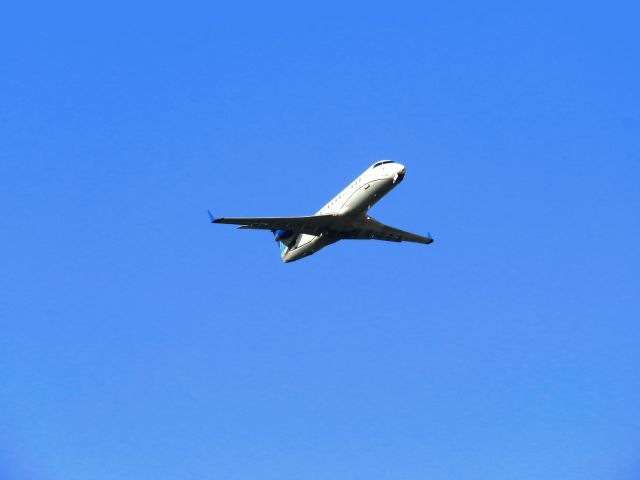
column 370, row 229
column 312, row 225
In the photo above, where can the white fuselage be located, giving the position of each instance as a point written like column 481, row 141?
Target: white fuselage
column 351, row 203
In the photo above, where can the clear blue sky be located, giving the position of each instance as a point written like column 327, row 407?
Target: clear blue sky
column 137, row 341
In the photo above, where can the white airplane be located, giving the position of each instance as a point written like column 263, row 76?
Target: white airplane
column 345, row 217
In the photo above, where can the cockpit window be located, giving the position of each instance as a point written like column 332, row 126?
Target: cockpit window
column 382, row 163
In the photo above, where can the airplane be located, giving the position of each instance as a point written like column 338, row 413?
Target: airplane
column 345, row 217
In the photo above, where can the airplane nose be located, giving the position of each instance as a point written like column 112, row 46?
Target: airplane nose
column 400, row 173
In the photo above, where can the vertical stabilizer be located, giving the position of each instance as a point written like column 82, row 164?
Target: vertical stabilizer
column 284, row 238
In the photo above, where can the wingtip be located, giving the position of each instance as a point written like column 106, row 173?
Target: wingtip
column 211, row 217
column 429, row 238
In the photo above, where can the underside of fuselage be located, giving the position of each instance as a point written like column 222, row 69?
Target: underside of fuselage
column 309, row 247
column 354, row 211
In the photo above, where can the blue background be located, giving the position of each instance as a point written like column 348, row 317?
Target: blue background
column 139, row 341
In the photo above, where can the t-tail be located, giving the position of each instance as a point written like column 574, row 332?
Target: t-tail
column 284, row 239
